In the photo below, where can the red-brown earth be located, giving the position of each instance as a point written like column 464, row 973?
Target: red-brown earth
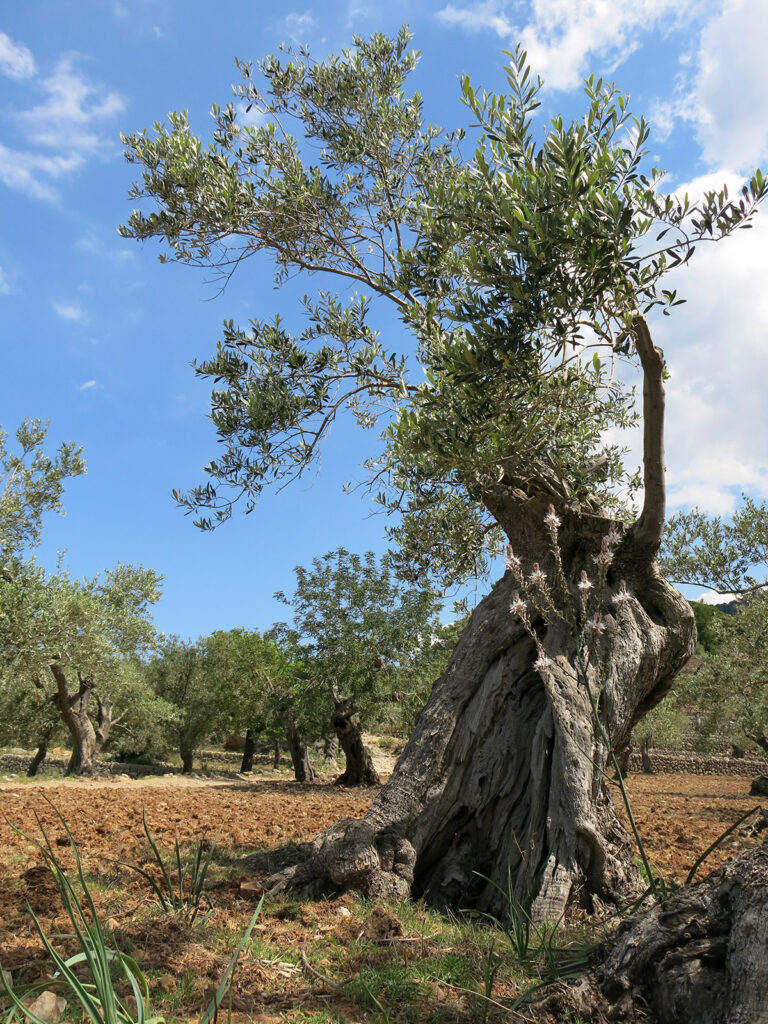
column 678, row 817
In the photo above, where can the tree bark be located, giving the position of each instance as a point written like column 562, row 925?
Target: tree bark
column 505, row 775
column 187, row 759
column 40, row 755
column 698, row 956
column 302, row 767
column 330, row 748
column 276, row 759
column 248, row 752
column 359, row 769
column 74, row 711
column 645, row 757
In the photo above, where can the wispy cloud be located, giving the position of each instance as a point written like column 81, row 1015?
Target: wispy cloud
column 565, row 39
column 71, row 106
column 69, row 311
column 298, row 27
column 5, row 284
column 87, row 385
column 61, row 132
column 16, row 61
column 476, row 17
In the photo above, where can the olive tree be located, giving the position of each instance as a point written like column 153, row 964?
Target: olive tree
column 31, row 484
column 251, row 670
column 69, row 639
column 355, row 628
column 523, row 273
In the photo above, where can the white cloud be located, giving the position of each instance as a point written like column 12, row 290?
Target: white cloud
column 565, row 38
column 60, row 133
column 712, row 597
column 486, row 15
column 65, row 119
column 717, row 350
column 731, row 85
column 298, row 26
column 16, row 61
column 69, row 311
column 5, row 284
column 87, row 385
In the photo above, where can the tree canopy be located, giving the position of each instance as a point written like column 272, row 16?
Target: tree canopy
column 31, row 484
column 521, row 273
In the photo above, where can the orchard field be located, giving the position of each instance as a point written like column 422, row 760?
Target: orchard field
column 338, row 960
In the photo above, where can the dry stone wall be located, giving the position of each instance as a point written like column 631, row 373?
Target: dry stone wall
column 689, row 763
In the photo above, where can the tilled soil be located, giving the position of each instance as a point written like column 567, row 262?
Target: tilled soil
column 678, row 817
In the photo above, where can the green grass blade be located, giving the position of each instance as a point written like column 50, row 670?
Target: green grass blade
column 212, row 1009
column 161, row 862
column 700, row 860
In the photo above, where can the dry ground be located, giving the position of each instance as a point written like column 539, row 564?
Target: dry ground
column 399, row 961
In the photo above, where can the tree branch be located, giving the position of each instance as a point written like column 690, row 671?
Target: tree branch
column 650, row 525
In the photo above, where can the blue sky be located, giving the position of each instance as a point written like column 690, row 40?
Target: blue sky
column 97, row 336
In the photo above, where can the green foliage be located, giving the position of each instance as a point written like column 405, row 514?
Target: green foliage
column 729, row 556
column 196, row 706
column 174, row 896
column 732, row 683
column 31, row 484
column 229, row 681
column 501, row 266
column 664, row 726
column 357, row 634
column 251, row 671
column 707, row 618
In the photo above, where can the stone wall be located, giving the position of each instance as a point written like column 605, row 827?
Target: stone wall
column 689, row 763
column 16, row 764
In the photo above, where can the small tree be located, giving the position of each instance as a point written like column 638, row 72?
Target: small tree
column 31, row 484
column 198, row 705
column 355, row 627
column 251, row 670
column 67, row 639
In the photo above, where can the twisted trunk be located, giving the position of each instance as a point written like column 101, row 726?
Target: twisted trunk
column 302, row 766
column 40, row 755
column 698, row 956
column 358, row 769
column 504, row 777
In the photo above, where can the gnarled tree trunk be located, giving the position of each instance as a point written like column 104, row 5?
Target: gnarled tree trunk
column 302, row 766
column 504, row 776
column 358, row 769
column 87, row 739
column 698, row 956
column 248, row 751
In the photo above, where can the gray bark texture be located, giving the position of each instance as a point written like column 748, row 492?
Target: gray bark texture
column 697, row 958
column 504, row 772
column 359, row 769
column 87, row 739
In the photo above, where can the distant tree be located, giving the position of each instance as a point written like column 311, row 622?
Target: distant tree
column 199, row 705
column 732, row 682
column 67, row 639
column 251, row 670
column 725, row 555
column 355, row 628
column 31, row 484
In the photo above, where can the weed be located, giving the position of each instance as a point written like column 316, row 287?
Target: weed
column 173, row 898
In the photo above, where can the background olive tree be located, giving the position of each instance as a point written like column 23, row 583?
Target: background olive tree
column 356, row 631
